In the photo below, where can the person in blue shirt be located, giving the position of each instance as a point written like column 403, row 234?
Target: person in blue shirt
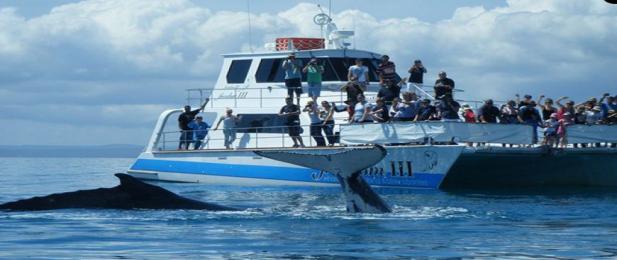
column 610, row 104
column 200, row 131
column 293, row 76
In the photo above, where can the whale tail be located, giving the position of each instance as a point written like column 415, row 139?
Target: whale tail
column 346, row 165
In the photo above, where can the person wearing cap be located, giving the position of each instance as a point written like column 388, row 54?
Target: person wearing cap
column 359, row 72
column 186, row 134
column 386, row 71
column 524, row 102
column 488, row 113
column 443, row 85
column 467, row 114
column 416, row 72
column 200, row 131
column 293, row 76
column 313, row 72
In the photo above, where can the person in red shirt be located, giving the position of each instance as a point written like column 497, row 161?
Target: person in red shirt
column 468, row 114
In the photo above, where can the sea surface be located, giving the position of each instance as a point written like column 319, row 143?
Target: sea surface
column 300, row 222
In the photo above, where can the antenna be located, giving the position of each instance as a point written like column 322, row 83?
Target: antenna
column 330, row 8
column 248, row 13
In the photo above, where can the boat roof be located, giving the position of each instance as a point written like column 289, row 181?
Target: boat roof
column 308, row 53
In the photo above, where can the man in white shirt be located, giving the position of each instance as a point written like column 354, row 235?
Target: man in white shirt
column 359, row 72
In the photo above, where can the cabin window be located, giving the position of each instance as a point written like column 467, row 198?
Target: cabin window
column 270, row 70
column 238, row 71
column 261, row 123
column 335, row 69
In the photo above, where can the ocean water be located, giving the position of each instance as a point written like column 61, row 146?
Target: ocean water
column 300, row 222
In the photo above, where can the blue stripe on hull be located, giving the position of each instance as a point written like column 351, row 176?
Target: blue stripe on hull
column 418, row 180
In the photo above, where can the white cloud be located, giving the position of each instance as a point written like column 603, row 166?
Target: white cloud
column 109, row 58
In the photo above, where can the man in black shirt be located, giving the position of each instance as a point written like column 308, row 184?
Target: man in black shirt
column 443, row 85
column 291, row 114
column 186, row 134
column 416, row 72
column 488, row 113
column 388, row 93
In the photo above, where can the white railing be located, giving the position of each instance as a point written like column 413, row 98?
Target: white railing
column 262, row 97
column 258, row 138
column 254, row 97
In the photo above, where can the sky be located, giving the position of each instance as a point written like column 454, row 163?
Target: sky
column 100, row 71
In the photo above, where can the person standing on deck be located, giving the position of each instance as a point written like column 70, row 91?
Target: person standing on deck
column 291, row 114
column 316, row 122
column 443, row 85
column 530, row 115
column 293, row 77
column 326, row 113
column 200, row 131
column 547, row 109
column 313, row 72
column 386, row 71
column 416, row 73
column 229, row 127
column 186, row 134
column 359, row 72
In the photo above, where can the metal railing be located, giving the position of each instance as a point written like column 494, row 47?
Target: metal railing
column 232, row 97
column 237, row 97
column 259, row 137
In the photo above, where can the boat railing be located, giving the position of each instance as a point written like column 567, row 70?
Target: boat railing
column 258, row 137
column 278, row 137
column 249, row 97
column 260, row 97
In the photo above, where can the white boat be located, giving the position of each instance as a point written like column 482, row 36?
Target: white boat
column 252, row 84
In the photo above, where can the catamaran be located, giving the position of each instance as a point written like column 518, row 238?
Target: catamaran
column 419, row 154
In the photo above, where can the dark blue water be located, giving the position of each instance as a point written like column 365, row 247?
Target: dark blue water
column 300, row 222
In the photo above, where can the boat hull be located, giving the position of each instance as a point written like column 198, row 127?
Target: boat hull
column 533, row 167
column 404, row 166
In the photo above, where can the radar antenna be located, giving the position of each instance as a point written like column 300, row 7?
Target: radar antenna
column 335, row 37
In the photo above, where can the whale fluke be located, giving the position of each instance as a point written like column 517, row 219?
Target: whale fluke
column 346, row 165
column 131, row 193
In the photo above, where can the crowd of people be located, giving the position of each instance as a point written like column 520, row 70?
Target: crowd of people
column 392, row 104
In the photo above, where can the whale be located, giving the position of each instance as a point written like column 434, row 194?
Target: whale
column 131, row 193
column 346, row 164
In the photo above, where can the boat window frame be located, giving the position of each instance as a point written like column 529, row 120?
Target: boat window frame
column 238, row 67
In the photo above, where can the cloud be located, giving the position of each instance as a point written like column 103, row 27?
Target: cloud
column 107, row 59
